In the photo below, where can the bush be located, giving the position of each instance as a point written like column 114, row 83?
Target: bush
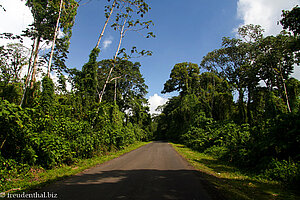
column 10, row 169
column 285, row 171
column 217, row 151
column 196, row 138
column 32, row 136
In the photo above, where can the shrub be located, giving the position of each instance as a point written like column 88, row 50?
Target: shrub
column 285, row 171
column 217, row 151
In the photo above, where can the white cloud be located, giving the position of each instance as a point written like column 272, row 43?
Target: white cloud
column 156, row 101
column 296, row 73
column 16, row 18
column 60, row 34
column 107, row 42
column 55, row 77
column 264, row 12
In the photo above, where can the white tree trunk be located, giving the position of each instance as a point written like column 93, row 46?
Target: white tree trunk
column 54, row 38
column 106, row 22
column 34, row 67
column 28, row 72
column 115, row 58
column 285, row 93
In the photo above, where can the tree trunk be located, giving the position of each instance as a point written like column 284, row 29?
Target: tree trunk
column 28, row 72
column 54, row 38
column 115, row 96
column 285, row 93
column 106, row 22
column 34, row 67
column 249, row 114
column 212, row 97
column 115, row 58
column 3, row 142
column 241, row 105
column 101, row 35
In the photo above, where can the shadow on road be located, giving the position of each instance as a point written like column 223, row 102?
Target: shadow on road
column 131, row 184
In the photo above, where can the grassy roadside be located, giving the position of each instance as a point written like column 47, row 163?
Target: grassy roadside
column 231, row 182
column 38, row 177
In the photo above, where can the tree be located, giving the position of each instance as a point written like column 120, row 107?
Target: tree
column 184, row 78
column 291, row 20
column 205, row 93
column 49, row 17
column 293, row 90
column 13, row 58
column 62, row 87
column 42, row 28
column 129, row 18
column 60, row 46
column 276, row 60
column 215, row 98
column 89, row 75
column 54, row 37
column 231, row 62
column 47, row 95
column 131, row 84
column 235, row 62
column 108, row 12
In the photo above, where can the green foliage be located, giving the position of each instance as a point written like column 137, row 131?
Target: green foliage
column 293, row 90
column 183, row 78
column 89, row 73
column 11, row 92
column 58, row 127
column 10, row 168
column 259, row 130
column 47, row 95
column 286, row 171
column 62, row 44
column 48, row 141
column 290, row 20
column 13, row 58
column 131, row 87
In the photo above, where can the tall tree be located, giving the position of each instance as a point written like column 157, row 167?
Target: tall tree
column 50, row 16
column 62, row 41
column 235, row 62
column 291, row 20
column 276, row 60
column 54, row 37
column 184, row 78
column 231, row 62
column 131, row 84
column 13, row 58
column 126, row 12
column 108, row 12
column 42, row 28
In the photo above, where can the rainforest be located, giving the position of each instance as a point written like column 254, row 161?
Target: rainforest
column 239, row 104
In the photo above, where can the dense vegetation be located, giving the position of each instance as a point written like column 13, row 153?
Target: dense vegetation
column 240, row 104
column 243, row 107
column 46, row 124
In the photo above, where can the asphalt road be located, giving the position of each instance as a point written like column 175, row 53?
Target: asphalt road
column 154, row 171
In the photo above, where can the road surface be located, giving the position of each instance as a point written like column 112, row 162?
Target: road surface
column 154, row 171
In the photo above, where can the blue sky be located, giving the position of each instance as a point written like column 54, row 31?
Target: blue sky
column 186, row 30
